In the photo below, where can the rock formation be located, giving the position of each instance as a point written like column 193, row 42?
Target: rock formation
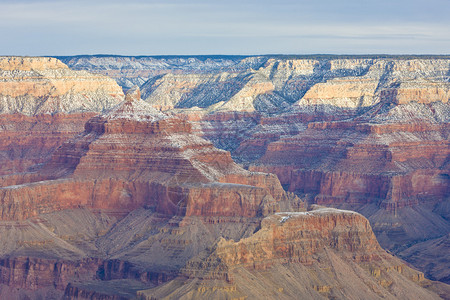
column 37, row 85
column 131, row 70
column 134, row 156
column 27, row 141
column 131, row 157
column 43, row 103
column 139, row 198
column 363, row 134
column 319, row 254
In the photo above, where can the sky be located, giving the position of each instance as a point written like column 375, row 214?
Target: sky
column 241, row 27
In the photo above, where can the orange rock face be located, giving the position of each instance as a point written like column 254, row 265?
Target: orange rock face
column 134, row 156
column 297, row 237
column 43, row 103
column 369, row 144
column 319, row 253
column 376, row 142
column 395, row 163
column 26, row 141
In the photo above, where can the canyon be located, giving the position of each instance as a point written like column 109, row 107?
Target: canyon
column 42, row 104
column 106, row 196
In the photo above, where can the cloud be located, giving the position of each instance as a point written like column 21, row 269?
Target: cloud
column 223, row 27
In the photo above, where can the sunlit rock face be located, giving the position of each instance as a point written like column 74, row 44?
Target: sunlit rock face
column 134, row 156
column 42, row 104
column 323, row 253
column 36, row 85
column 138, row 204
column 364, row 134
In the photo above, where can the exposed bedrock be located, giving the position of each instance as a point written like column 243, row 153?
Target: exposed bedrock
column 161, row 204
column 314, row 254
column 43, row 103
column 134, row 156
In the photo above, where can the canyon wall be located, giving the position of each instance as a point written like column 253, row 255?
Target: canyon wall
column 37, row 85
column 321, row 254
column 367, row 134
column 42, row 104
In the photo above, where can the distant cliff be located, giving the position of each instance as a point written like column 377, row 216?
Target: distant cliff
column 364, row 133
column 36, row 85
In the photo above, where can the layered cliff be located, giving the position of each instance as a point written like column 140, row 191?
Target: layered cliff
column 390, row 164
column 325, row 86
column 320, row 254
column 364, row 134
column 369, row 134
column 134, row 156
column 136, row 70
column 36, row 85
column 43, row 103
column 139, row 165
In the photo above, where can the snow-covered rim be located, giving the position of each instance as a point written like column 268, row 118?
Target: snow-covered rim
column 136, row 110
column 319, row 211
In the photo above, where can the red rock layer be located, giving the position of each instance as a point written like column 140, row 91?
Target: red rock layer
column 26, row 141
column 296, row 237
column 33, row 273
column 398, row 163
column 134, row 156
column 291, row 238
column 323, row 253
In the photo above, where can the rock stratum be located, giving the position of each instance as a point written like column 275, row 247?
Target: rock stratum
column 134, row 162
column 135, row 156
column 135, row 201
column 40, row 85
column 42, row 104
column 136, row 70
column 319, row 254
column 362, row 133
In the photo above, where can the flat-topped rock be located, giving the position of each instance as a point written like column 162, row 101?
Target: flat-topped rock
column 37, row 85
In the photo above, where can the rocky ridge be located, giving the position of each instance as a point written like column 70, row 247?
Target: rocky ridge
column 114, row 164
column 311, row 86
column 37, row 85
column 42, row 104
column 295, row 255
column 136, row 70
column 132, row 164
column 407, row 110
column 364, row 134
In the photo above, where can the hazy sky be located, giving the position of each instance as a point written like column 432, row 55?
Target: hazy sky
column 138, row 27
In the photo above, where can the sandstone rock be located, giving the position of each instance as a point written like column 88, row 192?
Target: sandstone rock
column 314, row 254
column 365, row 134
column 351, row 164
column 36, row 93
column 134, row 156
column 33, row 273
column 184, row 91
column 320, row 253
column 27, row 141
column 36, row 85
column 129, row 71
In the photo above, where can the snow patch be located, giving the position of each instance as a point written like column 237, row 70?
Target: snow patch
column 137, row 110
